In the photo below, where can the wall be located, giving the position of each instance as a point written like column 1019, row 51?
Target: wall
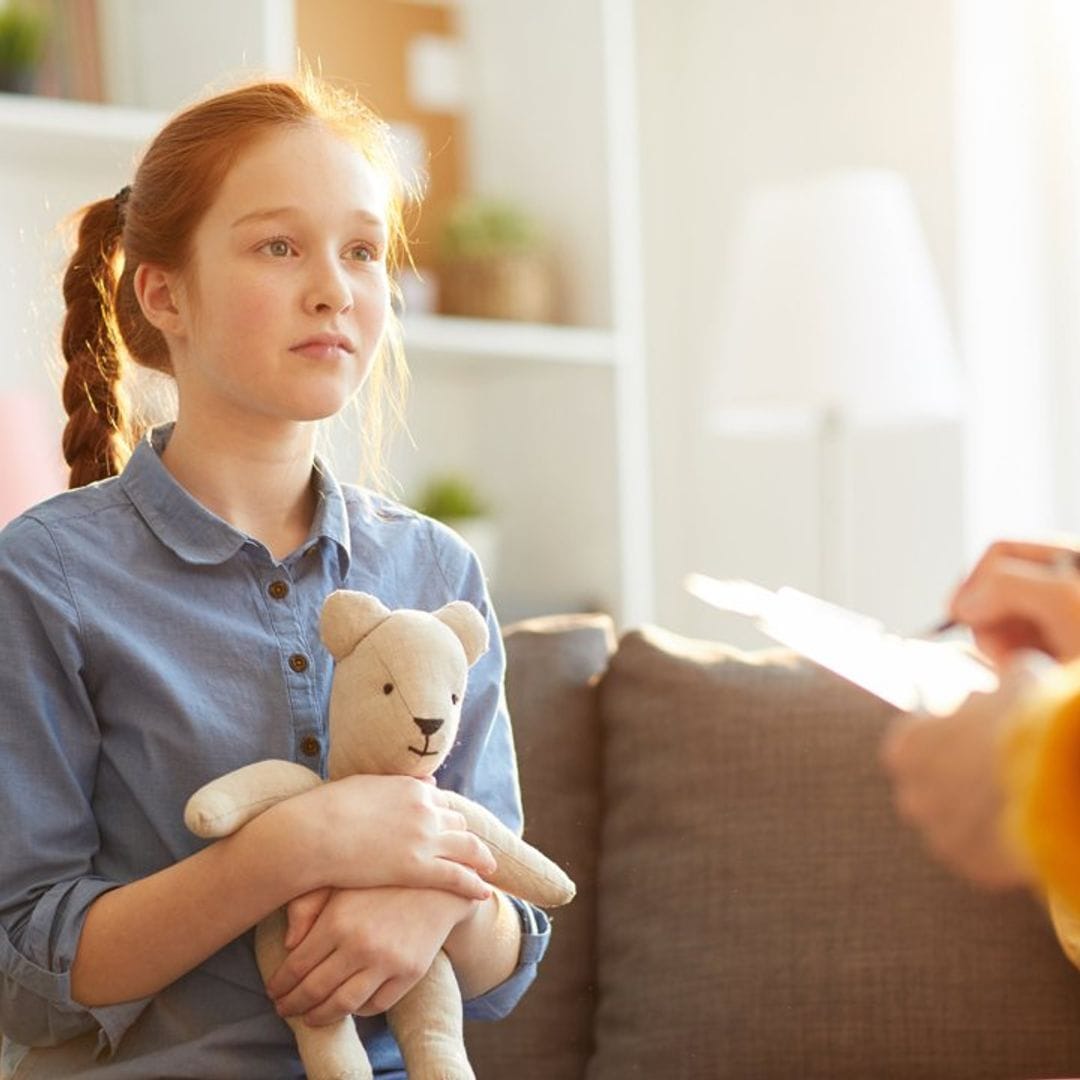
column 761, row 91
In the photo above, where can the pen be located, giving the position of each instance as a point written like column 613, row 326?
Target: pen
column 1062, row 563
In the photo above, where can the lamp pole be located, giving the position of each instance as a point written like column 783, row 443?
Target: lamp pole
column 834, row 506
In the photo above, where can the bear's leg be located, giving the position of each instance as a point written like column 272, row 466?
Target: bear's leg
column 427, row 1023
column 334, row 1052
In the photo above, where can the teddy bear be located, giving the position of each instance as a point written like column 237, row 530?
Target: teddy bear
column 395, row 705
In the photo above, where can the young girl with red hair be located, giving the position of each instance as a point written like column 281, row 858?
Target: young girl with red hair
column 160, row 629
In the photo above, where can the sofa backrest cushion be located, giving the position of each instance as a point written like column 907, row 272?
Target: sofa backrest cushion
column 762, row 912
column 553, row 666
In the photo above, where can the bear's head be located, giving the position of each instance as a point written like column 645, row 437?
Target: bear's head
column 395, row 700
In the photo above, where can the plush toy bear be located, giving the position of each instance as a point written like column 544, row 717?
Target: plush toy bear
column 395, row 704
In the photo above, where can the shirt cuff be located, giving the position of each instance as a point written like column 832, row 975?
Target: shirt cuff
column 37, row 1002
column 500, row 1000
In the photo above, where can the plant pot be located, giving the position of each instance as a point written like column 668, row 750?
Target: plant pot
column 18, row 80
column 498, row 287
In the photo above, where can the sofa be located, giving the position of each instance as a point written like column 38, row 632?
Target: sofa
column 748, row 904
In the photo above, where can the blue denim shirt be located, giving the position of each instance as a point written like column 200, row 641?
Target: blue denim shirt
column 143, row 653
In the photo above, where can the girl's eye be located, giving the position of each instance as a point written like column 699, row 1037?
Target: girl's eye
column 278, row 248
column 365, row 253
column 388, row 688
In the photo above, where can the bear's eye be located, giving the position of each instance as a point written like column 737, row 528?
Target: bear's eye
column 388, row 688
column 454, row 698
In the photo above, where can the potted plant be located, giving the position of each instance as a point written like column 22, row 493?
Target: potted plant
column 23, row 31
column 454, row 501
column 493, row 263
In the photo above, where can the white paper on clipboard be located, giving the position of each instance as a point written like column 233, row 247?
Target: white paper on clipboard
column 912, row 674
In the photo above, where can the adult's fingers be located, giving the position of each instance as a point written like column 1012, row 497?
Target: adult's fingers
column 1015, row 589
column 1045, row 552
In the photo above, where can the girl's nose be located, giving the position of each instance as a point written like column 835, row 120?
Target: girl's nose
column 328, row 290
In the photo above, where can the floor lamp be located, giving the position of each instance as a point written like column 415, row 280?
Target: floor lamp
column 832, row 319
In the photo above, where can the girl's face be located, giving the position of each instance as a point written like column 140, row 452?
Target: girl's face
column 286, row 297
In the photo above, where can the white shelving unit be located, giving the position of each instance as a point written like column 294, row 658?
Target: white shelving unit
column 442, row 335
column 551, row 421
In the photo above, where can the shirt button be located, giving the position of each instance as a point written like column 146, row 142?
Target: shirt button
column 278, row 589
column 298, row 662
column 309, row 746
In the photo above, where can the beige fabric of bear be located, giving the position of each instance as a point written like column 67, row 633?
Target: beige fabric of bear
column 424, row 657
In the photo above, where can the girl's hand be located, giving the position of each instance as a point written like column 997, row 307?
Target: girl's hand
column 366, row 831
column 1022, row 596
column 359, row 951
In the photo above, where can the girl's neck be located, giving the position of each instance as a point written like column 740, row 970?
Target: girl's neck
column 259, row 482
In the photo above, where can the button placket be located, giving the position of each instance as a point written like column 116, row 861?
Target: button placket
column 284, row 598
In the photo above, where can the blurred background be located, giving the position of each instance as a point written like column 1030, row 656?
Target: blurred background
column 773, row 289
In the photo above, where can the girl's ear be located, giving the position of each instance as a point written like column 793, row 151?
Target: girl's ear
column 155, row 289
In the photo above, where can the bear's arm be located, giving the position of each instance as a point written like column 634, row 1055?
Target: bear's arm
column 222, row 806
column 522, row 870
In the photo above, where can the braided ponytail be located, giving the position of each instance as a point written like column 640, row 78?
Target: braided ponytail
column 97, row 439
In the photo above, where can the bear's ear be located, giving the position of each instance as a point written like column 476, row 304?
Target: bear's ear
column 469, row 626
column 348, row 618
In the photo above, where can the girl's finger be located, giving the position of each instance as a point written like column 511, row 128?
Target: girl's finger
column 387, row 996
column 297, row 966
column 316, row 987
column 345, row 999
column 302, row 913
column 469, row 850
column 452, row 821
column 451, row 876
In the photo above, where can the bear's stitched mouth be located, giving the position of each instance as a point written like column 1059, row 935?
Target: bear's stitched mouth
column 425, row 752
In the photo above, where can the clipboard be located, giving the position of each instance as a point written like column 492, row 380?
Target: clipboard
column 912, row 674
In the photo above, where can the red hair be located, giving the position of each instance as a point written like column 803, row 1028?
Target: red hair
column 154, row 221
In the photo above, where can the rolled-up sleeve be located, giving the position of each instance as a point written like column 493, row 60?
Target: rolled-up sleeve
column 49, row 746
column 483, row 766
column 500, row 1000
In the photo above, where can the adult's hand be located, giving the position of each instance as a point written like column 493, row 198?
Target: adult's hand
column 947, row 780
column 1023, row 596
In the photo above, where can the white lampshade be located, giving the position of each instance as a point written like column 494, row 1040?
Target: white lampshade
column 832, row 305
column 33, row 467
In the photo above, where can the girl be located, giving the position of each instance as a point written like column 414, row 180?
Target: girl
column 160, row 629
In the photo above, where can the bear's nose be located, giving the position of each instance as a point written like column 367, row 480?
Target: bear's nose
column 427, row 727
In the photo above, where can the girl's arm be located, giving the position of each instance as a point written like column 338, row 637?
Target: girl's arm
column 485, row 946
column 360, row 832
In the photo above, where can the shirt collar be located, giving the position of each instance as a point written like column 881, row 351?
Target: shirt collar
column 196, row 534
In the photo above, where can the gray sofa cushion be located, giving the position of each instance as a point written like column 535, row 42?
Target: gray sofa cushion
column 763, row 914
column 552, row 668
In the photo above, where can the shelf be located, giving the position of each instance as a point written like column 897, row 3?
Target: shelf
column 457, row 338
column 33, row 126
